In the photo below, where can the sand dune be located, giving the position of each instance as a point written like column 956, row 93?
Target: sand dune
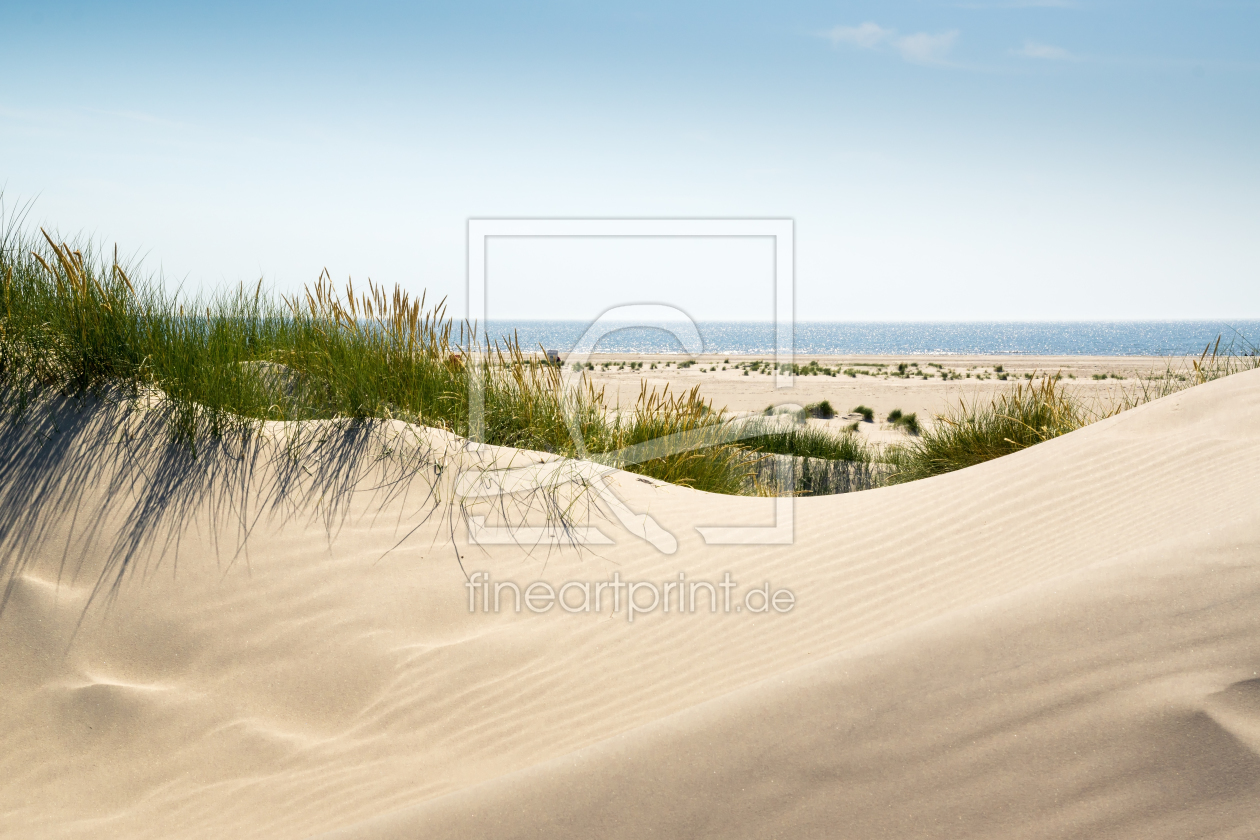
column 1059, row 643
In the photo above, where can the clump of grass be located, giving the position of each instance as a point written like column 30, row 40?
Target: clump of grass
column 906, row 422
column 808, row 442
column 1213, row 363
column 1040, row 410
column 647, row 439
column 75, row 322
column 822, row 410
column 868, row 414
column 973, row 433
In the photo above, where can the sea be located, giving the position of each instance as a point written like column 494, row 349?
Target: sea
column 817, row 338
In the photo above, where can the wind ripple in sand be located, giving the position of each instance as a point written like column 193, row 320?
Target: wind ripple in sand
column 1055, row 644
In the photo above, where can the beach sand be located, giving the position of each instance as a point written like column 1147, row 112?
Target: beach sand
column 728, row 388
column 972, row 379
column 1057, row 643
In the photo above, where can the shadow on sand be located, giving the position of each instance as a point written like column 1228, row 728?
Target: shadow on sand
column 104, row 472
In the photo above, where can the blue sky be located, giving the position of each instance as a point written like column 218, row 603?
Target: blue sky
column 1005, row 160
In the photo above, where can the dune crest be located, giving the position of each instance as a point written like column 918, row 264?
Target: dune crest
column 1058, row 643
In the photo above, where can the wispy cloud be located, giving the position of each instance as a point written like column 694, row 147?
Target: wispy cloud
column 1031, row 49
column 868, row 36
column 919, row 47
column 924, row 48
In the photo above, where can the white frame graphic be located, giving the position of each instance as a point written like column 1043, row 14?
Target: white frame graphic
column 781, row 231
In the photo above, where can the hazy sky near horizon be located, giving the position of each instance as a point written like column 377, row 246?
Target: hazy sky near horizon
column 1044, row 159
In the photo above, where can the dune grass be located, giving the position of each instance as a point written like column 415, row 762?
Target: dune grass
column 1215, row 362
column 908, row 423
column 972, row 433
column 1041, row 409
column 808, row 442
column 75, row 321
column 822, row 410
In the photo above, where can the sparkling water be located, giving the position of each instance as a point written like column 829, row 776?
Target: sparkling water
column 1040, row 338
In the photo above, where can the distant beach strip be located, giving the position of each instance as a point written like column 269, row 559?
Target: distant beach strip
column 816, row 338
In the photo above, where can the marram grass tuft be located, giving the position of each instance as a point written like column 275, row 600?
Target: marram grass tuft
column 77, row 323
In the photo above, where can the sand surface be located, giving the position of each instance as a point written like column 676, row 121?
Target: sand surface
column 1059, row 643
column 1099, row 381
